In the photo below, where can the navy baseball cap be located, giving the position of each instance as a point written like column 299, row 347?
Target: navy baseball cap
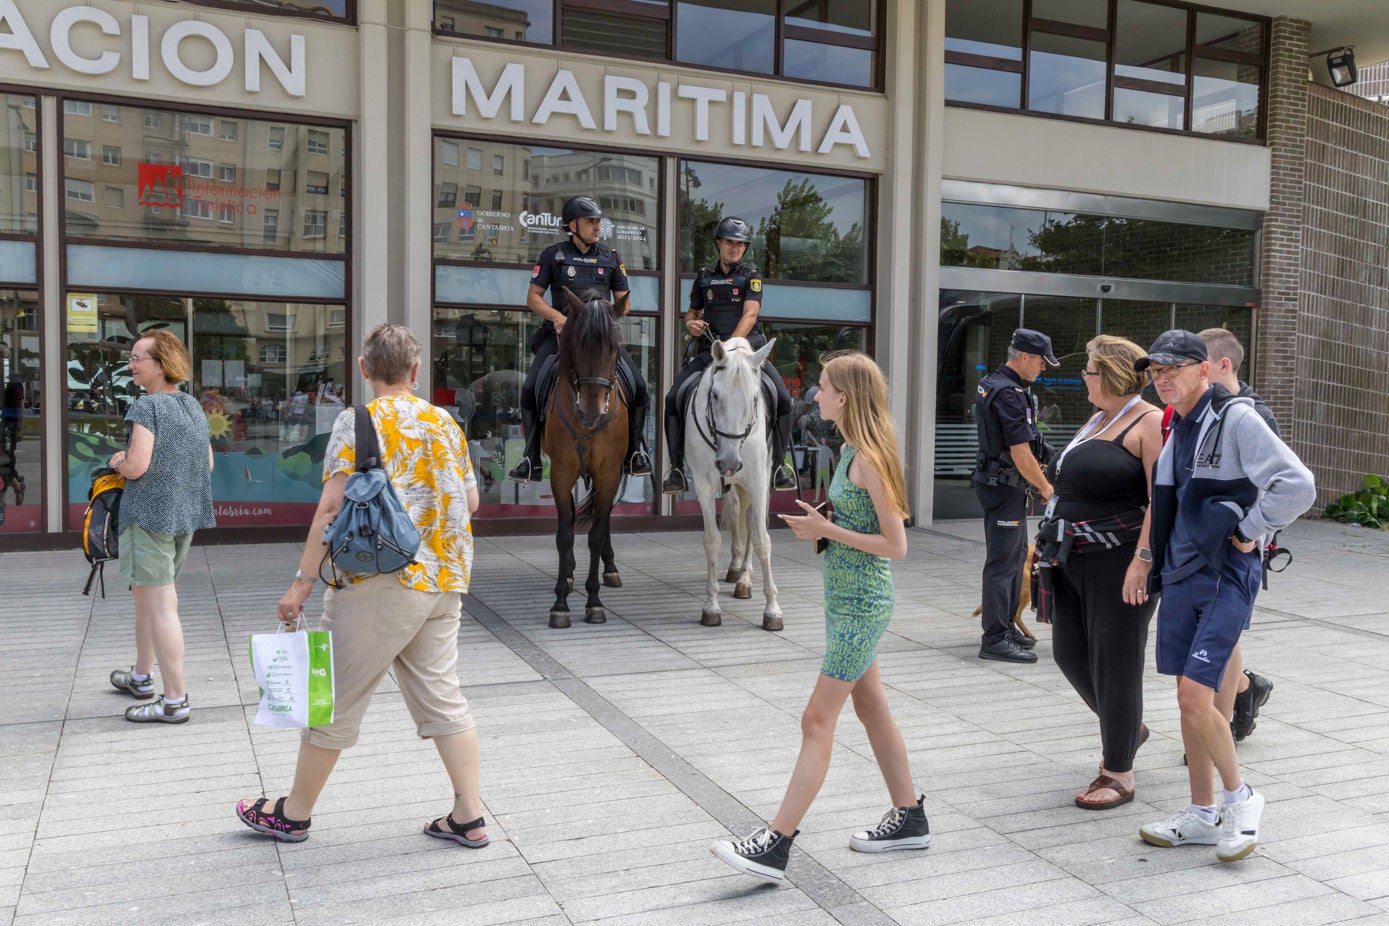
column 1034, row 342
column 1171, row 348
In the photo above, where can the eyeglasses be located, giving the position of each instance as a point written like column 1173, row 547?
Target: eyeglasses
column 1156, row 374
column 1089, row 372
column 136, row 358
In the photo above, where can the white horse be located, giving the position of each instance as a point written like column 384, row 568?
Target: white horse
column 726, row 443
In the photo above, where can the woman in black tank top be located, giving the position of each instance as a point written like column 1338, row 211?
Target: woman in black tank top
column 1099, row 638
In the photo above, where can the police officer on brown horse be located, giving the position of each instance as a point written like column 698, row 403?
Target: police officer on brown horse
column 591, row 271
column 724, row 302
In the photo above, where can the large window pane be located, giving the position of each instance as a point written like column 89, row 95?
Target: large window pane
column 992, row 28
column 21, row 421
column 1225, row 98
column 805, row 226
column 615, row 33
column 180, row 177
column 517, row 20
column 480, row 359
column 846, row 17
column 271, row 378
column 1147, row 250
column 1066, row 76
column 507, row 200
column 1093, row 13
column 19, row 160
column 1150, row 65
column 831, row 64
column 984, row 86
column 735, row 34
column 816, row 443
column 1229, row 33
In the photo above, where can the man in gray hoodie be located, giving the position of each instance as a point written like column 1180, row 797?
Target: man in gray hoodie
column 1222, row 484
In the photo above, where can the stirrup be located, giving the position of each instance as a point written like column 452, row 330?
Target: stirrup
column 783, row 479
column 640, row 463
column 527, row 470
column 675, row 483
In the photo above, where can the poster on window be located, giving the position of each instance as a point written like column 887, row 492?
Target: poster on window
column 82, row 323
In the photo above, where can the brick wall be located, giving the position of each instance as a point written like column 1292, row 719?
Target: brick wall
column 1342, row 364
column 1373, row 83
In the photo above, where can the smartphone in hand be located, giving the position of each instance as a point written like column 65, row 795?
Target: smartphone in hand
column 823, row 543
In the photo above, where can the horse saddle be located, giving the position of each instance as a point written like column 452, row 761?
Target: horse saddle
column 685, row 396
column 549, row 368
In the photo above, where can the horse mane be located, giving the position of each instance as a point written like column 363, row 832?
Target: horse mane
column 589, row 332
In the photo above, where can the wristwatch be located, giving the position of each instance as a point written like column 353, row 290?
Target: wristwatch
column 299, row 574
column 1144, row 554
column 1239, row 535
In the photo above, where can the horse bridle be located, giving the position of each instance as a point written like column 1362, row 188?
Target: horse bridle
column 610, row 384
column 711, row 425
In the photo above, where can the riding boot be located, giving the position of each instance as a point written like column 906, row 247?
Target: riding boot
column 638, row 460
column 529, row 469
column 783, row 476
column 675, row 483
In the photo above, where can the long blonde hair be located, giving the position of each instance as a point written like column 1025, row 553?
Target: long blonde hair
column 866, row 423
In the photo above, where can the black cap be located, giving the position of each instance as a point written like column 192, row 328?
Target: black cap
column 1034, row 342
column 1171, row 348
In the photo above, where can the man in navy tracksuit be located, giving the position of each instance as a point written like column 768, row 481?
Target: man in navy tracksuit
column 1222, row 484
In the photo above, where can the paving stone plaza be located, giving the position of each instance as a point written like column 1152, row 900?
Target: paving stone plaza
column 613, row 755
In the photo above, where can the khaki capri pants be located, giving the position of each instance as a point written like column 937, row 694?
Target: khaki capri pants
column 378, row 624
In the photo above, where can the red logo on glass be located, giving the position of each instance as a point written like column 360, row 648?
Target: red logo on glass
column 160, row 185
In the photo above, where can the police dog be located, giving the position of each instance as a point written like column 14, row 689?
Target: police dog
column 1024, row 599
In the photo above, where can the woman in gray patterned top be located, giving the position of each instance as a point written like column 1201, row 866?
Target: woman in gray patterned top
column 168, row 496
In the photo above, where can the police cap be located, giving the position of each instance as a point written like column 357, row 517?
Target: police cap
column 1171, row 348
column 733, row 228
column 1034, row 342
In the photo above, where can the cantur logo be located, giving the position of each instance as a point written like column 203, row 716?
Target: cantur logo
column 160, row 185
column 541, row 220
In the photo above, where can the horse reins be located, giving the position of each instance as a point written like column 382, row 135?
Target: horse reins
column 713, row 430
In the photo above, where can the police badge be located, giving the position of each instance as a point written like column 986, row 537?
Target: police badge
column 570, row 271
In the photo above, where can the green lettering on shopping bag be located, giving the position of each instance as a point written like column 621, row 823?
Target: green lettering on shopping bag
column 321, row 688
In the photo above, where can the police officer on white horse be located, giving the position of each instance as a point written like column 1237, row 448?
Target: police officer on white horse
column 724, row 302
column 592, row 271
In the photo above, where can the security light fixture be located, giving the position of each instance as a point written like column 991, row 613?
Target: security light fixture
column 1340, row 64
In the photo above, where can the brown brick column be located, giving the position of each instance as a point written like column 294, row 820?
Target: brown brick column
column 1282, row 239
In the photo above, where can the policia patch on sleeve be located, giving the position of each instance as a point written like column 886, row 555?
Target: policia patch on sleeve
column 755, row 286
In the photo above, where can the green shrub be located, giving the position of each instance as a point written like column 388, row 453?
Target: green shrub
column 1369, row 507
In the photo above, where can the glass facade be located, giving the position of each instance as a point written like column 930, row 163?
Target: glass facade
column 21, row 313
column 825, row 41
column 1157, row 65
column 344, row 10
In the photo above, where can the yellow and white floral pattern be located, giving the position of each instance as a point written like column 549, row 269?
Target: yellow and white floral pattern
column 426, row 459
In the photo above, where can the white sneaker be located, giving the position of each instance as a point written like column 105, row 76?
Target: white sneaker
column 1239, row 828
column 1181, row 829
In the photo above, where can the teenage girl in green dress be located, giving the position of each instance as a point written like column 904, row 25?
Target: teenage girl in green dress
column 869, row 496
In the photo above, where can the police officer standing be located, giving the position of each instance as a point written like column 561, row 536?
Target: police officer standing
column 724, row 302
column 1011, row 456
column 591, row 271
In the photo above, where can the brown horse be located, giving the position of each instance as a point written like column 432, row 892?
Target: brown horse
column 586, row 436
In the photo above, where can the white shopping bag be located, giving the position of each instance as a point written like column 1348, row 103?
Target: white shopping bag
column 294, row 670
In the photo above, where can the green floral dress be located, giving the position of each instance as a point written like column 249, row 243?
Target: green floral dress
column 858, row 585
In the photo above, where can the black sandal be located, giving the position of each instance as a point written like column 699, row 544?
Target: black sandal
column 272, row 824
column 456, row 832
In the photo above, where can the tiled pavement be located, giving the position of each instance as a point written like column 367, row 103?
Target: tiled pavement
column 612, row 755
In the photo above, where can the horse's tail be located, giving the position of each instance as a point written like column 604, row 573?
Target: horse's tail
column 583, row 511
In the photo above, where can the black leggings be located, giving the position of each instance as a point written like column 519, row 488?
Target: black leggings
column 549, row 346
column 1100, row 645
column 700, row 362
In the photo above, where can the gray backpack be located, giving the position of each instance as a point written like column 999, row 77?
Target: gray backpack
column 372, row 533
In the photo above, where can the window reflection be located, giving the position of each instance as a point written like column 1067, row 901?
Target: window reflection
column 517, row 20
column 19, row 204
column 271, row 378
column 324, row 9
column 831, row 64
column 614, row 33
column 804, row 226
column 498, row 202
column 1225, row 98
column 1150, row 65
column 982, row 86
column 709, row 33
column 480, row 359
column 182, row 177
column 1093, row 13
column 1066, row 76
column 21, row 422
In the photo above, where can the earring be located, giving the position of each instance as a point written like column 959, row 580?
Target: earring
column 415, row 386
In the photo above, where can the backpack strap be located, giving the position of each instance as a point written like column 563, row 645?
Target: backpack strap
column 368, row 448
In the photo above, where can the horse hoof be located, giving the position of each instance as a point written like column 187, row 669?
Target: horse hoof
column 612, row 580
column 559, row 619
column 595, row 616
column 742, row 590
column 570, row 582
column 711, row 619
column 771, row 622
column 732, row 575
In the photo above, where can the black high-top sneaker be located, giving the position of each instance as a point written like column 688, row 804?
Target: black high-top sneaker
column 900, row 828
column 763, row 854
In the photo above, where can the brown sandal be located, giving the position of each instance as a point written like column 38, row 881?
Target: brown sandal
column 1101, row 783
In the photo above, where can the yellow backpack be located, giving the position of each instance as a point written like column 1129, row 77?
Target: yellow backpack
column 101, row 524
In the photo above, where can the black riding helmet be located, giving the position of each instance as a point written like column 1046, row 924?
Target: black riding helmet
column 734, row 229
column 579, row 207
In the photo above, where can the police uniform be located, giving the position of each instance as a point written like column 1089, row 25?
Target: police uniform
column 597, row 273
column 1005, row 415
column 719, row 296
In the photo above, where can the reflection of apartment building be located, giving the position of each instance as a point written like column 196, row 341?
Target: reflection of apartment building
column 19, row 195
column 486, row 186
column 625, row 190
column 485, row 19
column 293, row 340
column 237, row 182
